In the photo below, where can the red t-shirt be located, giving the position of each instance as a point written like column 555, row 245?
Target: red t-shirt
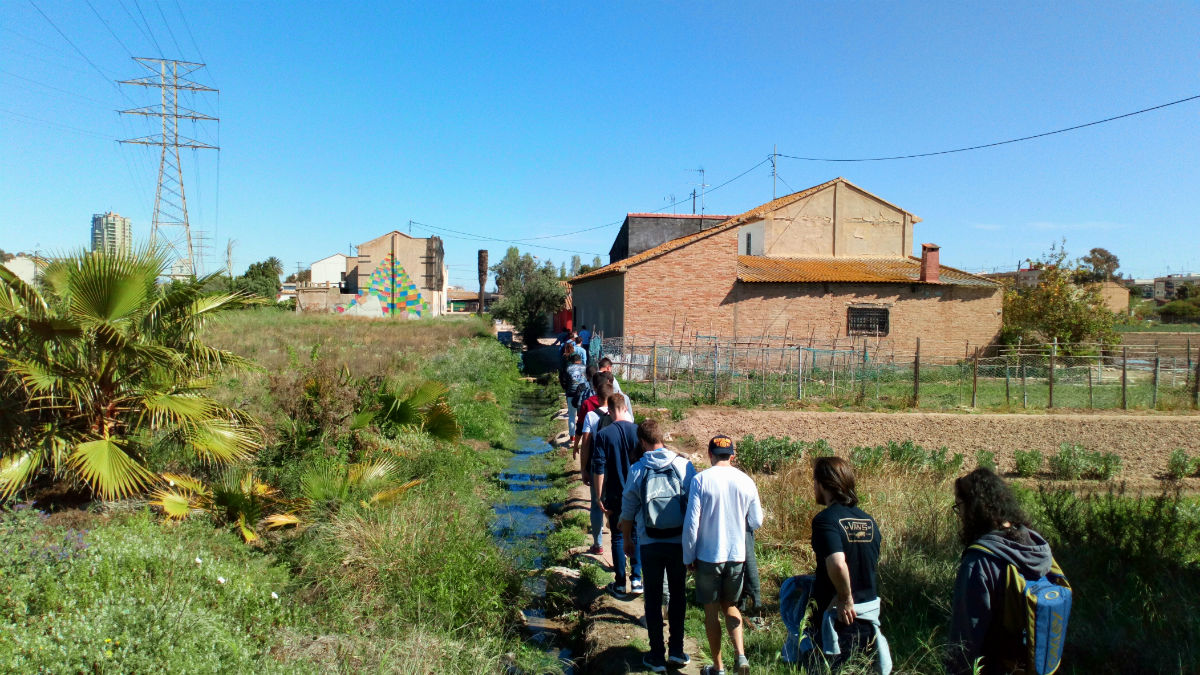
column 588, row 406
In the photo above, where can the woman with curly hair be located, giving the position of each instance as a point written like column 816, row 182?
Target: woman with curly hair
column 990, row 517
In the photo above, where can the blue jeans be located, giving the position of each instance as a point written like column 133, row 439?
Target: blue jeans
column 618, row 553
column 597, row 518
column 572, row 414
column 659, row 561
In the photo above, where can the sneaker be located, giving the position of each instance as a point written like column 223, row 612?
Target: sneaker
column 617, row 590
column 679, row 659
column 635, row 587
column 712, row 670
column 743, row 665
column 596, row 549
column 654, row 664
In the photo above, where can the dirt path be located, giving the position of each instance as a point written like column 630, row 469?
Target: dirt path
column 1144, row 442
column 613, row 635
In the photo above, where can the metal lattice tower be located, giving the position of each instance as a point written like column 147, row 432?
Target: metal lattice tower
column 170, row 199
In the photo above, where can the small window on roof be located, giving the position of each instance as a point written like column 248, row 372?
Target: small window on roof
column 867, row 321
column 748, row 243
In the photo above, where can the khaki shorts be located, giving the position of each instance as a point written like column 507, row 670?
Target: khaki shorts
column 718, row 582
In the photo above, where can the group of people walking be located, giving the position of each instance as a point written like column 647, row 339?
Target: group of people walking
column 666, row 519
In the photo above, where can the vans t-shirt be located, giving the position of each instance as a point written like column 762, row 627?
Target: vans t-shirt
column 849, row 530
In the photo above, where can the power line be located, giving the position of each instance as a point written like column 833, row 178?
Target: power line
column 997, row 143
column 169, row 31
column 505, row 241
column 193, row 38
column 73, row 46
column 133, row 20
column 50, row 86
column 57, row 124
column 149, row 30
column 659, row 210
column 110, row 30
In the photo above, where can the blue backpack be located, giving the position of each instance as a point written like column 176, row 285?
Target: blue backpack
column 1036, row 609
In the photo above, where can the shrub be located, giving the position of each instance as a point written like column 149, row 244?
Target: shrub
column 907, row 454
column 1029, row 462
column 768, row 454
column 986, row 459
column 942, row 465
column 1073, row 462
column 1181, row 465
column 867, row 457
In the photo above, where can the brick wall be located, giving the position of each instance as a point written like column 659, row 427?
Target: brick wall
column 696, row 286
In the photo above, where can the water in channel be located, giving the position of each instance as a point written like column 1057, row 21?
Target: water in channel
column 521, row 524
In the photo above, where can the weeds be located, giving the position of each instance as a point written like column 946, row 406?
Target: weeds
column 1181, row 465
column 1028, row 462
column 1073, row 462
column 770, row 453
column 986, row 459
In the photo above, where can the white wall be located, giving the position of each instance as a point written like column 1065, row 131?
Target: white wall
column 329, row 271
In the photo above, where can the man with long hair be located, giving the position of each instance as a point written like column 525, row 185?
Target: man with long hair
column 846, row 542
column 990, row 516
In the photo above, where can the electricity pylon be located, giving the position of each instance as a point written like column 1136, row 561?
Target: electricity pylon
column 170, row 199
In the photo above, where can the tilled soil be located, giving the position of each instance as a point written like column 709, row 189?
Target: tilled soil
column 1144, row 442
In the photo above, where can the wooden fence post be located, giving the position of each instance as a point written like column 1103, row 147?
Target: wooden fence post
column 1090, row 401
column 799, row 373
column 654, row 370
column 1007, row 384
column 1188, row 372
column 1124, row 378
column 1053, row 353
column 862, row 385
column 916, row 399
column 1154, row 397
column 716, row 360
column 1024, row 385
column 1196, row 384
column 975, row 380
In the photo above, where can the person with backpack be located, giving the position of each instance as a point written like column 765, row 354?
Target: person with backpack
column 845, row 541
column 1011, row 601
column 722, row 503
column 614, row 450
column 574, row 382
column 655, row 499
column 597, row 418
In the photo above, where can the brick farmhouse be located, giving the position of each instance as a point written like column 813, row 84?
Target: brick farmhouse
column 828, row 263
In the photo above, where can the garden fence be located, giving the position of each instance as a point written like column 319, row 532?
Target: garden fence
column 878, row 373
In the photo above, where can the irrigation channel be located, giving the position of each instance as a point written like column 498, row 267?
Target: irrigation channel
column 522, row 525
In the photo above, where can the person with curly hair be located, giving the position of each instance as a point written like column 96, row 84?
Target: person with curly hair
column 989, row 515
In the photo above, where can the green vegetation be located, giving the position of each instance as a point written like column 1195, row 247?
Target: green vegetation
column 768, row 454
column 1058, row 309
column 1028, row 462
column 1182, row 465
column 1073, row 461
column 986, row 459
column 530, row 291
column 102, row 371
column 355, row 539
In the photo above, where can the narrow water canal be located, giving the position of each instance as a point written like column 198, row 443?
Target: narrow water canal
column 521, row 525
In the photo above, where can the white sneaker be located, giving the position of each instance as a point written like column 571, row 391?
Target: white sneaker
column 635, row 587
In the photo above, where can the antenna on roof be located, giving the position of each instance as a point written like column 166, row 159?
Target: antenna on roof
column 701, row 185
column 671, row 200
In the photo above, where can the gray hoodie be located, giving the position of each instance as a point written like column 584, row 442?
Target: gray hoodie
column 631, row 498
column 979, row 594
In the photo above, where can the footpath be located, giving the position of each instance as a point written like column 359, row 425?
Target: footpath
column 614, row 639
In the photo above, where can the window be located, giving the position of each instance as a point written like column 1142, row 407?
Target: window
column 748, row 243
column 867, row 321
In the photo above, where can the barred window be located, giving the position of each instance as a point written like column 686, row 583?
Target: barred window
column 867, row 321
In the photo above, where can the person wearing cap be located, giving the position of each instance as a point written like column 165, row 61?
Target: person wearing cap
column 722, row 503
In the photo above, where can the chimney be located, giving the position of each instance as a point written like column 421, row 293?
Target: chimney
column 930, row 268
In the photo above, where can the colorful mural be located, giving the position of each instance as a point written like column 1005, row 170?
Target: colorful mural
column 388, row 291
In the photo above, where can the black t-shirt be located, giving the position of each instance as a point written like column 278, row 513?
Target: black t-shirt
column 851, row 531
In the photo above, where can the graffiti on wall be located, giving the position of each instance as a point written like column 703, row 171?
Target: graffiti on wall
column 389, row 292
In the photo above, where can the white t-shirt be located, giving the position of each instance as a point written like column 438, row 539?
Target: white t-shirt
column 592, row 420
column 722, row 503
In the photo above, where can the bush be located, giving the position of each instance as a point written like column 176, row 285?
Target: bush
column 1029, row 462
column 867, row 457
column 1181, row 465
column 484, row 383
column 768, row 454
column 938, row 462
column 1073, row 462
column 907, row 454
column 986, row 459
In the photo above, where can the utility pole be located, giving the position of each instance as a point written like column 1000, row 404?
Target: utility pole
column 693, row 202
column 170, row 200
column 483, row 275
column 410, row 227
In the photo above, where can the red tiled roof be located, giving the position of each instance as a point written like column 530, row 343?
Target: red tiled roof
column 676, row 215
column 761, row 269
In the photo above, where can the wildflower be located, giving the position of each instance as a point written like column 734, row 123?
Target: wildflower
column 220, row 580
column 274, row 595
column 108, row 639
column 108, row 653
column 198, row 560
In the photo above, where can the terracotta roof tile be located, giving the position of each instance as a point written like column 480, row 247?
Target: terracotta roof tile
column 761, row 269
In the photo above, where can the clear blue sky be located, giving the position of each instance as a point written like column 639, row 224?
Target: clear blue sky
column 341, row 121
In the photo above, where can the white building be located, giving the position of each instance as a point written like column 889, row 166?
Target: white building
column 329, row 271
column 111, row 233
column 25, row 267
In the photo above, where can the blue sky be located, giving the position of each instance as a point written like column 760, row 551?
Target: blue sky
column 341, row 121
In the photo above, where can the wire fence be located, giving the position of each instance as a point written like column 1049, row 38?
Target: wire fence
column 875, row 374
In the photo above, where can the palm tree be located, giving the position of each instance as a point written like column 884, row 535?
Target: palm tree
column 99, row 361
